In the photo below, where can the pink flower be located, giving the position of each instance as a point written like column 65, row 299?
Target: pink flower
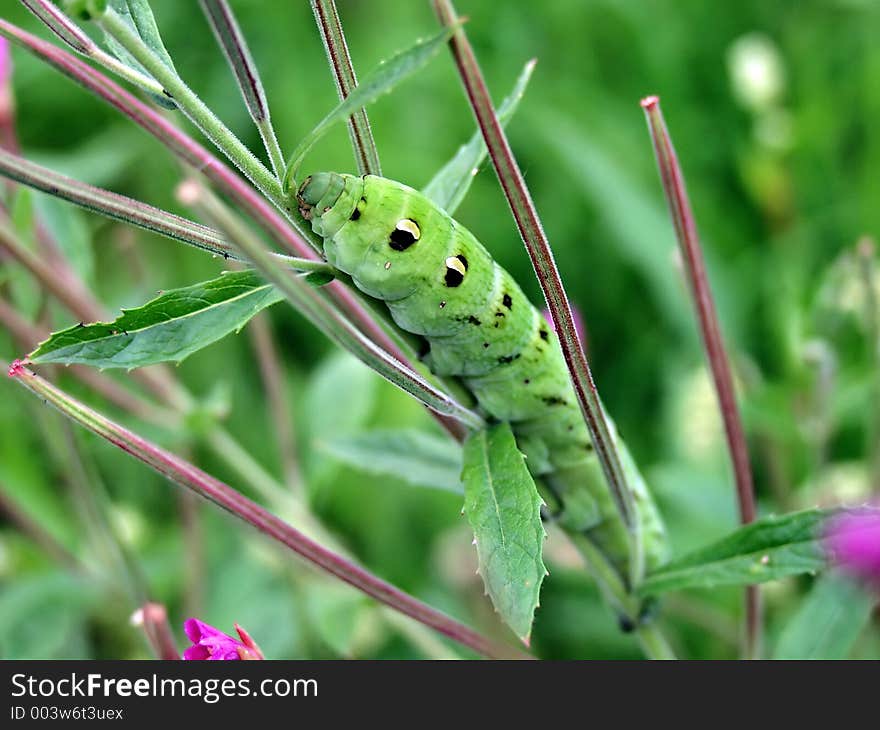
column 212, row 644
column 853, row 540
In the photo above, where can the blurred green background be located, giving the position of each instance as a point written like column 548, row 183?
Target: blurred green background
column 773, row 108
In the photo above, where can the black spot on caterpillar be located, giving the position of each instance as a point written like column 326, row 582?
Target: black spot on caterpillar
column 473, row 320
column 404, row 235
column 507, row 301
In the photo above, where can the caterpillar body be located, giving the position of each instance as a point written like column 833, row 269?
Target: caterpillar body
column 439, row 282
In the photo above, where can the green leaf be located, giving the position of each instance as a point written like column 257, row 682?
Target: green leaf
column 319, row 278
column 168, row 328
column 377, row 82
column 415, row 457
column 765, row 550
column 449, row 186
column 504, row 510
column 828, row 622
column 139, row 15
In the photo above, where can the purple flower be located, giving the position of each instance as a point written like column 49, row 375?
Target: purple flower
column 212, row 644
column 5, row 62
column 853, row 540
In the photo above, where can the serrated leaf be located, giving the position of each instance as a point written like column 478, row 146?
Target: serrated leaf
column 168, row 328
column 828, row 622
column 770, row 548
column 415, row 457
column 139, row 15
column 377, row 82
column 503, row 507
column 449, row 186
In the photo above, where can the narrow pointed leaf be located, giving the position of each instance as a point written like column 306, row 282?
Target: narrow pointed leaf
column 504, row 510
column 767, row 549
column 415, row 457
column 828, row 622
column 166, row 329
column 138, row 15
column 376, row 83
column 449, row 186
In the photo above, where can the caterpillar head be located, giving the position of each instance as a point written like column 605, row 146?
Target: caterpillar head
column 368, row 231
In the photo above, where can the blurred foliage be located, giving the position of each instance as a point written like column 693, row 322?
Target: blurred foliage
column 773, row 108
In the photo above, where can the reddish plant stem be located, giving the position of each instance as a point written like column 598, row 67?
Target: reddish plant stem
column 188, row 475
column 277, row 401
column 153, row 618
column 538, row 247
column 35, row 531
column 28, row 335
column 710, row 330
column 330, row 27
column 199, row 158
column 60, row 281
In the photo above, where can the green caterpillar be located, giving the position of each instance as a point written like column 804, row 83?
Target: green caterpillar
column 439, row 282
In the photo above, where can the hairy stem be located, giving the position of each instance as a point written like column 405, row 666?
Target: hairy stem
column 361, row 134
column 238, row 55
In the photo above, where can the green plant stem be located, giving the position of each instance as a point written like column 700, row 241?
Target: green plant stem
column 250, row 201
column 330, row 27
column 194, row 108
column 618, row 596
column 73, row 36
column 653, row 642
column 238, row 55
column 312, row 305
column 130, row 211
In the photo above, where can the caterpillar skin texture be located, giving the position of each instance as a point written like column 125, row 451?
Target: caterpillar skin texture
column 439, row 282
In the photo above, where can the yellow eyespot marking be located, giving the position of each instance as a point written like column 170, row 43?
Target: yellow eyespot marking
column 409, row 226
column 455, row 263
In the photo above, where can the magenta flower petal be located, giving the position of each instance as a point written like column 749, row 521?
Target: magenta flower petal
column 5, row 62
column 210, row 643
column 853, row 540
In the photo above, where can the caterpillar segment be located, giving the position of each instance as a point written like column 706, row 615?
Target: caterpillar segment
column 439, row 282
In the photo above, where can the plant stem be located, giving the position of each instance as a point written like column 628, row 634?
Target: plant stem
column 188, row 475
column 195, row 155
column 710, row 330
column 538, row 247
column 28, row 335
column 617, row 595
column 309, row 302
column 238, row 55
column 153, row 618
column 193, row 107
column 361, row 134
column 73, row 36
column 34, row 530
column 277, row 402
column 653, row 642
column 865, row 251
